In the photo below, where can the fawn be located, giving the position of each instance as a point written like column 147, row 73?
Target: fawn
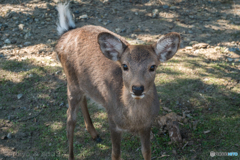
column 103, row 66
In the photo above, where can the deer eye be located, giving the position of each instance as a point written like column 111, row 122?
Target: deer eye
column 125, row 67
column 152, row 68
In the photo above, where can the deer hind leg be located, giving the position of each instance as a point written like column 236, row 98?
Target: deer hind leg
column 88, row 122
column 74, row 97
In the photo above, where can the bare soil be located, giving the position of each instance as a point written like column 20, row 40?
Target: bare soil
column 36, row 120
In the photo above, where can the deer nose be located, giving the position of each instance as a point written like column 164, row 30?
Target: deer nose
column 137, row 90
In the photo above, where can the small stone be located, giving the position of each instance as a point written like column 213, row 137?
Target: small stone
column 9, row 135
column 48, row 19
column 155, row 13
column 173, row 7
column 165, row 6
column 136, row 13
column 27, row 43
column 19, row 96
column 11, row 117
column 105, row 23
column 85, row 16
column 62, row 104
column 230, row 59
column 99, row 20
column 30, row 75
column 21, row 26
column 7, row 41
column 50, row 144
column 118, row 30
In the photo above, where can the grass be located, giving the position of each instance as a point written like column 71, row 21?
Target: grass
column 208, row 90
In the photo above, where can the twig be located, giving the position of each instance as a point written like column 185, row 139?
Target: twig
column 21, row 120
column 184, row 145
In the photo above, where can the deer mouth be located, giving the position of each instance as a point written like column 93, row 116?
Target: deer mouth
column 137, row 97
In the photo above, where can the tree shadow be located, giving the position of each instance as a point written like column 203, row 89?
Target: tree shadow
column 46, row 90
column 136, row 20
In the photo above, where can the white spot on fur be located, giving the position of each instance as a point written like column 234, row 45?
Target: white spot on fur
column 138, row 97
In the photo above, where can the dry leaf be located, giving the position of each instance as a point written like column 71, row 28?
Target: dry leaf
column 167, row 109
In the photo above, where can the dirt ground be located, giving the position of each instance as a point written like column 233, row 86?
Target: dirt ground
column 28, row 31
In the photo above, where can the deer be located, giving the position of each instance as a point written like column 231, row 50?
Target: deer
column 103, row 66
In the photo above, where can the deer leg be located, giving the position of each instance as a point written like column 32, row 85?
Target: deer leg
column 72, row 111
column 116, row 141
column 88, row 122
column 146, row 145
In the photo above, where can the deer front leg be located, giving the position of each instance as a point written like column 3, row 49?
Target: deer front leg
column 116, row 141
column 146, row 144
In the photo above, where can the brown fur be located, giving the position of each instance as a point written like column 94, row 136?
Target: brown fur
column 90, row 73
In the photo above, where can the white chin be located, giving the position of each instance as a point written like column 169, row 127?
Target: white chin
column 137, row 97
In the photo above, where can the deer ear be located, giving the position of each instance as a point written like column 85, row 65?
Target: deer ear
column 111, row 46
column 167, row 46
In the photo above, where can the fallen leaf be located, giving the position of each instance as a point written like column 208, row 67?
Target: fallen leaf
column 167, row 109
